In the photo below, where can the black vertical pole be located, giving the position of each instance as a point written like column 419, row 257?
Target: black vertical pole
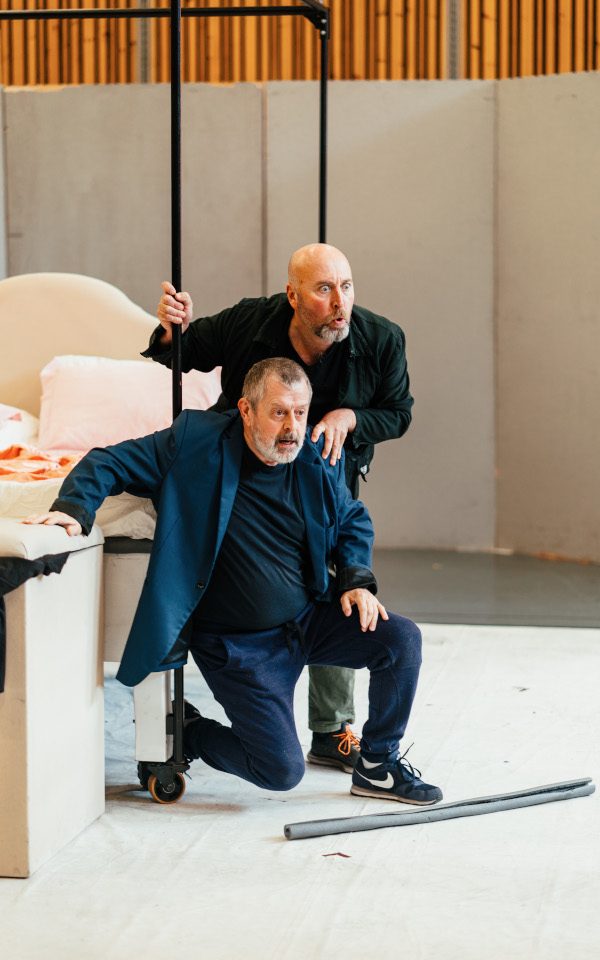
column 176, row 281
column 324, row 37
column 176, row 189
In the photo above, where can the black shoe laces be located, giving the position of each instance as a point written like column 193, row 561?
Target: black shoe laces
column 406, row 766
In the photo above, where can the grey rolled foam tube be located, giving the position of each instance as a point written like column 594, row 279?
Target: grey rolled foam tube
column 446, row 811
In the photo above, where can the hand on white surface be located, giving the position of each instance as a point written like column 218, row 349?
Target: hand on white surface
column 174, row 308
column 56, row 518
column 368, row 606
column 336, row 425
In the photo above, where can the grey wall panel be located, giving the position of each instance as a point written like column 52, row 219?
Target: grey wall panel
column 222, row 208
column 548, row 315
column 291, row 174
column 433, row 238
column 411, row 203
column 88, row 172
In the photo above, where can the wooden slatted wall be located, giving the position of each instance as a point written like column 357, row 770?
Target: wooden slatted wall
column 519, row 38
column 371, row 40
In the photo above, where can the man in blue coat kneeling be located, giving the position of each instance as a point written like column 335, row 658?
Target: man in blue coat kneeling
column 251, row 521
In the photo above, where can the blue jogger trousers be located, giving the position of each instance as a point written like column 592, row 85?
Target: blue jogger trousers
column 253, row 676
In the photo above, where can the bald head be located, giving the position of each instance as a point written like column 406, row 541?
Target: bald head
column 321, row 294
column 314, row 260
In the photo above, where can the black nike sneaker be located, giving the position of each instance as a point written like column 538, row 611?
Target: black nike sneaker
column 393, row 780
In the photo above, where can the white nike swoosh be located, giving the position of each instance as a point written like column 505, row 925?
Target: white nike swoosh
column 386, row 784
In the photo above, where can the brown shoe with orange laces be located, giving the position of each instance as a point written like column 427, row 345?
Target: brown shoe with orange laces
column 338, row 749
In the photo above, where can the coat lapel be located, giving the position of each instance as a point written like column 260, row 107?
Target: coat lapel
column 233, row 445
column 309, row 474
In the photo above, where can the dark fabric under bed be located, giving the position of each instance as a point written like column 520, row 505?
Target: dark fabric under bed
column 127, row 545
column 14, row 571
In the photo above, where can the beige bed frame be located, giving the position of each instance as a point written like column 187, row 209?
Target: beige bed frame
column 61, row 628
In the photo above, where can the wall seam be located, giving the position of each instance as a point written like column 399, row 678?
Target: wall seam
column 264, row 188
column 496, row 305
column 4, row 207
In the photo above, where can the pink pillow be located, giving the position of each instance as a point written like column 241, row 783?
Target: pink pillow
column 93, row 401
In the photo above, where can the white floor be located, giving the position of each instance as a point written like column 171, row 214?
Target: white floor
column 213, row 878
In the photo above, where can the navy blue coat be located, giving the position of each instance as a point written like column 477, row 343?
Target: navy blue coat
column 191, row 473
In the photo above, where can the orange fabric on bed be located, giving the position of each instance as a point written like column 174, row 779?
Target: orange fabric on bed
column 23, row 464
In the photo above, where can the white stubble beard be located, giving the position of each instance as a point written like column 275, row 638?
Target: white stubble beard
column 332, row 336
column 270, row 451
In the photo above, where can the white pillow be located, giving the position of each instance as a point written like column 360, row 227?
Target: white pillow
column 93, row 401
column 16, row 426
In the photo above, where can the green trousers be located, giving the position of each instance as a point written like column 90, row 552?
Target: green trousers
column 330, row 698
column 331, row 689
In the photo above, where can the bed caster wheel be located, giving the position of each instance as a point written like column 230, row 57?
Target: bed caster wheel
column 166, row 792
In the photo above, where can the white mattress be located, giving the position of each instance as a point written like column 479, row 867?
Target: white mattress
column 122, row 516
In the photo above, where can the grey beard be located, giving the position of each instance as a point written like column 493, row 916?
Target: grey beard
column 268, row 449
column 332, row 336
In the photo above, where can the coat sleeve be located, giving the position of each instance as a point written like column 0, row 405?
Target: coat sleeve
column 134, row 466
column 354, row 542
column 203, row 345
column 387, row 414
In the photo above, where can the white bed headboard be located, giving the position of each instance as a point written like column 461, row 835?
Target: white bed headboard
column 43, row 315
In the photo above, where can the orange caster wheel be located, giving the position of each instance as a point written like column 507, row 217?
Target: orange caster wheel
column 166, row 793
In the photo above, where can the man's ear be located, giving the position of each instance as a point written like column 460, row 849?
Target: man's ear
column 291, row 295
column 244, row 408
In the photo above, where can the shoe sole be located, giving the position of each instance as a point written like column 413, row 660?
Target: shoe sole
column 382, row 795
column 329, row 762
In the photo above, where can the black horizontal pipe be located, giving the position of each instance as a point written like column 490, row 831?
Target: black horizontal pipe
column 110, row 13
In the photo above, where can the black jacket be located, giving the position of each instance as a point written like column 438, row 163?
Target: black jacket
column 374, row 383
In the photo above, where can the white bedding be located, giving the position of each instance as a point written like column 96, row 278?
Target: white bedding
column 122, row 516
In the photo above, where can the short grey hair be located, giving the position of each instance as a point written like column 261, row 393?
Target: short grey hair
column 286, row 371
